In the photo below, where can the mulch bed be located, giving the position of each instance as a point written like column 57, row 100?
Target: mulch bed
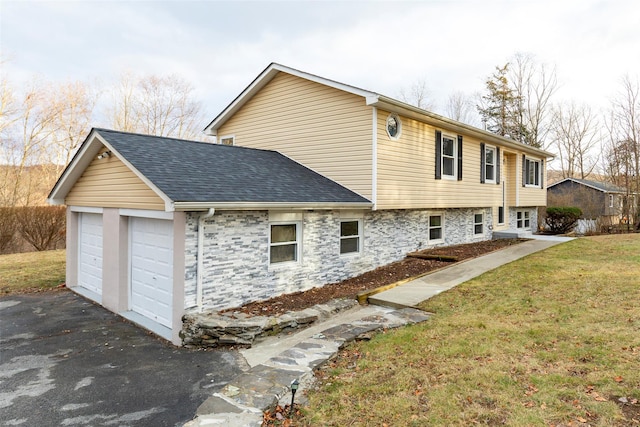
column 385, row 275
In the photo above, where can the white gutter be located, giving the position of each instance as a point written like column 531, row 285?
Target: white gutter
column 243, row 206
column 200, row 264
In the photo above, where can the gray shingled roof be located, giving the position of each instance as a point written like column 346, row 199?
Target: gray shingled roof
column 191, row 171
column 602, row 186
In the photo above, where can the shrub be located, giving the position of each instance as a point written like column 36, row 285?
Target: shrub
column 561, row 220
column 7, row 228
column 42, row 226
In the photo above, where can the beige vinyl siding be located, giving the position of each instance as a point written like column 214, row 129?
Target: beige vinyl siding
column 406, row 171
column 110, row 183
column 531, row 196
column 325, row 129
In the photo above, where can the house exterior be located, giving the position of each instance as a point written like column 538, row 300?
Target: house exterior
column 310, row 182
column 603, row 202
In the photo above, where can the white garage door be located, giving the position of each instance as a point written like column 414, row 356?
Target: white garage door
column 90, row 256
column 152, row 268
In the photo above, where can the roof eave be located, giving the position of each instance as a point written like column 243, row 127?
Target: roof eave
column 265, row 77
column 385, row 102
column 252, row 206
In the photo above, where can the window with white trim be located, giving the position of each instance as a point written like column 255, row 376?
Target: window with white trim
column 284, row 242
column 610, row 200
column 490, row 164
column 350, row 236
column 227, row 140
column 393, row 126
column 436, row 228
column 523, row 219
column 449, row 157
column 532, row 172
column 478, row 224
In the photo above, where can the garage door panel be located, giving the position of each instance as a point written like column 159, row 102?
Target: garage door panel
column 90, row 252
column 152, row 269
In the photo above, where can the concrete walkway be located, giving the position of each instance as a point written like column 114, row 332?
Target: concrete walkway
column 276, row 361
column 414, row 292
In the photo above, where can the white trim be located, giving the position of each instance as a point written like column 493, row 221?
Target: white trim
column 240, row 206
column 141, row 213
column 482, row 223
column 398, row 123
column 264, row 78
column 359, row 236
column 527, row 161
column 298, row 242
column 495, row 163
column 231, row 137
column 374, row 158
column 372, row 99
column 167, row 201
column 86, row 209
column 526, row 216
column 285, row 216
column 441, row 227
column 454, row 176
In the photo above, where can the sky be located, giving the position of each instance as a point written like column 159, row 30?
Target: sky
column 382, row 46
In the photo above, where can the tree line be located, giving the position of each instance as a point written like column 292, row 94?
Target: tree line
column 43, row 123
column 518, row 101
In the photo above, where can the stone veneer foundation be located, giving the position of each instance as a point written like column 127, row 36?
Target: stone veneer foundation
column 236, row 250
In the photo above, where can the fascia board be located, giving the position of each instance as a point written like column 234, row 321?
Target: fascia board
column 408, row 110
column 167, row 201
column 83, row 157
column 196, row 206
column 265, row 77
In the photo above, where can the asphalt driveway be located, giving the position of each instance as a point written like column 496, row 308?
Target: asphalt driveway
column 65, row 361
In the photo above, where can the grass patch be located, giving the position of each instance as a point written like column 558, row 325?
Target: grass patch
column 552, row 339
column 31, row 271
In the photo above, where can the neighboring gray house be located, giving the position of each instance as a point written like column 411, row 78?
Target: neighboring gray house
column 599, row 201
column 338, row 181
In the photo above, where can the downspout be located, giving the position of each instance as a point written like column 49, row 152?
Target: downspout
column 200, row 263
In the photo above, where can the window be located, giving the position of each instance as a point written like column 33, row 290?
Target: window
column 500, row 214
column 350, row 236
column 448, row 156
column 435, row 227
column 532, row 172
column 490, row 164
column 478, row 224
column 227, row 140
column 394, row 126
column 610, row 200
column 523, row 220
column 284, row 243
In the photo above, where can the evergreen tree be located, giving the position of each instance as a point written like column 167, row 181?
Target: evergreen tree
column 501, row 107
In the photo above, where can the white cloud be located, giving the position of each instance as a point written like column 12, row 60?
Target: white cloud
column 382, row 46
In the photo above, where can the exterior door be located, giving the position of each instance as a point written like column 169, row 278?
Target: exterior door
column 152, row 269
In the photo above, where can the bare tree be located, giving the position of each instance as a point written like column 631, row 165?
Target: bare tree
column 623, row 151
column 418, row 95
column 575, row 134
column 24, row 138
column 73, row 104
column 156, row 105
column 461, row 107
column 121, row 113
column 534, row 84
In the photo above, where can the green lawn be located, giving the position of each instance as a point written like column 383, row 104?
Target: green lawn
column 31, row 271
column 550, row 340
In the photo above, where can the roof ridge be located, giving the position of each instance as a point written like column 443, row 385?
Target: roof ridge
column 182, row 140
